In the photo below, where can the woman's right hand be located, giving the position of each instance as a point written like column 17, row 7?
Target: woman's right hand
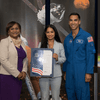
column 20, row 75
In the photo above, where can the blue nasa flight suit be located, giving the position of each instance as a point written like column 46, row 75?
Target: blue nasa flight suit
column 80, row 60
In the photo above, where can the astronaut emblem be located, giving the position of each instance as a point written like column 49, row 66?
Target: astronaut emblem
column 80, row 41
column 70, row 41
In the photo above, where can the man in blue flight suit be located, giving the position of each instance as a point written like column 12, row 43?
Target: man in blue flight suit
column 79, row 51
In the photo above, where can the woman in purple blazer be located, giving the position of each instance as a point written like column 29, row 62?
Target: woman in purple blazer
column 13, row 60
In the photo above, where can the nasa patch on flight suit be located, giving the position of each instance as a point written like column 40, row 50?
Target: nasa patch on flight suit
column 80, row 41
column 70, row 41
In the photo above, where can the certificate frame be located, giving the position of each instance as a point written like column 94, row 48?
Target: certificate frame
column 37, row 65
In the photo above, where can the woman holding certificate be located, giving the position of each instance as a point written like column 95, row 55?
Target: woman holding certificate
column 51, row 39
column 13, row 60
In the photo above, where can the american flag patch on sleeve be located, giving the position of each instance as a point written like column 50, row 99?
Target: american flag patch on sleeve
column 90, row 39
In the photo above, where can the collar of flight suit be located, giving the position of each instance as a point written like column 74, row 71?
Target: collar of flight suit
column 79, row 33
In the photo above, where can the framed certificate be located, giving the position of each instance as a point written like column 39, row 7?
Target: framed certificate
column 42, row 62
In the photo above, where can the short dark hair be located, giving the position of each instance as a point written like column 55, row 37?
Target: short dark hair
column 10, row 24
column 74, row 13
column 44, row 40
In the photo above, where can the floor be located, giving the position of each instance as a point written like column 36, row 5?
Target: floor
column 26, row 96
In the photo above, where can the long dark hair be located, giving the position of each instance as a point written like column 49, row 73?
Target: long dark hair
column 44, row 40
column 10, row 24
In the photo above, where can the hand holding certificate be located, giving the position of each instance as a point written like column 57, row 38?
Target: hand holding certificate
column 42, row 62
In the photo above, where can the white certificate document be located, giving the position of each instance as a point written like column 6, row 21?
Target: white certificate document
column 47, row 62
column 42, row 62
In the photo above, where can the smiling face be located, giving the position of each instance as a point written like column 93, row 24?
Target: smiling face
column 50, row 33
column 14, row 31
column 74, row 22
